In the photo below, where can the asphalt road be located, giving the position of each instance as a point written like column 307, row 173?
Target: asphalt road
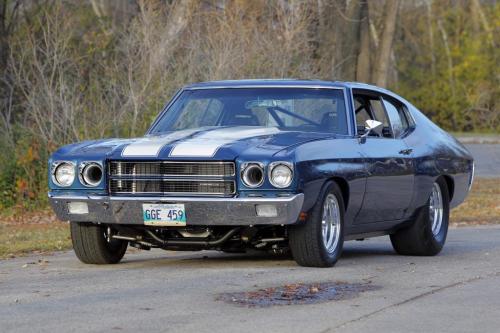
column 487, row 159
column 457, row 291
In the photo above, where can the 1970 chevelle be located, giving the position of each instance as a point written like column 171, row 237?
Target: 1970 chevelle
column 265, row 164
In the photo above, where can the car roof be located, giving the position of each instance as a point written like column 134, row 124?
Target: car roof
column 278, row 82
column 283, row 83
column 266, row 83
column 296, row 83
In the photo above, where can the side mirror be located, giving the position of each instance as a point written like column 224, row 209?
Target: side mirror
column 372, row 125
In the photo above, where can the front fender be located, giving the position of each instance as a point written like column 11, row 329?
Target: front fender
column 352, row 181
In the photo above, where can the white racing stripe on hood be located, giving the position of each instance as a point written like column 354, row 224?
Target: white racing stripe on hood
column 207, row 144
column 151, row 146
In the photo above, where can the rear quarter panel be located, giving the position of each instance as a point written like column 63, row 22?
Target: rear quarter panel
column 436, row 153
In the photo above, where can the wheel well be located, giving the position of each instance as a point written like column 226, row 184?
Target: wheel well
column 451, row 185
column 344, row 187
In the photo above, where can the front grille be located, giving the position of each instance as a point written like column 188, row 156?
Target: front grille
column 216, row 169
column 172, row 178
column 172, row 186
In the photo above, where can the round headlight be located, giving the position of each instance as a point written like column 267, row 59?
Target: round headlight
column 252, row 175
column 91, row 174
column 64, row 174
column 281, row 175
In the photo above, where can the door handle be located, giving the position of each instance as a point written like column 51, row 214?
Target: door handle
column 405, row 151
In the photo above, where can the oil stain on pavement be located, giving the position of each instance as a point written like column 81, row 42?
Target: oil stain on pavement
column 297, row 293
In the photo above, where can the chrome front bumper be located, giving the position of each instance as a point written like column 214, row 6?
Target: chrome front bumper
column 199, row 211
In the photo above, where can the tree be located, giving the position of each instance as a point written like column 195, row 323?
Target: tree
column 383, row 53
column 363, row 66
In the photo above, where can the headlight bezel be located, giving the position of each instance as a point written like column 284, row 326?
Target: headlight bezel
column 56, row 165
column 83, row 166
column 244, row 176
column 271, row 168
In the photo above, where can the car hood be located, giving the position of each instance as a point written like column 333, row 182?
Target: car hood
column 221, row 143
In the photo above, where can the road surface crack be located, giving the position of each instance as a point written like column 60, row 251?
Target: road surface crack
column 411, row 299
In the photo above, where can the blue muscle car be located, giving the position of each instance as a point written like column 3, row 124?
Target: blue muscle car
column 266, row 164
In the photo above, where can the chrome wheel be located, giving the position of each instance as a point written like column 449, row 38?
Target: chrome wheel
column 330, row 223
column 436, row 209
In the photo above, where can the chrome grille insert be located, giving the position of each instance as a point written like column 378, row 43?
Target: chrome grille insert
column 172, row 178
column 172, row 186
column 171, row 168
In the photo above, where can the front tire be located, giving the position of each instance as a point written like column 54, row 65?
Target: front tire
column 427, row 235
column 91, row 246
column 319, row 241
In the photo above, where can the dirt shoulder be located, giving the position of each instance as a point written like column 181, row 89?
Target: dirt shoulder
column 30, row 232
column 482, row 206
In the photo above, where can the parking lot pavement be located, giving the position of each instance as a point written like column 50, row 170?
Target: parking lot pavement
column 486, row 158
column 459, row 290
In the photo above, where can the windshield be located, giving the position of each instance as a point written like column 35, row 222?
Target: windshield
column 294, row 109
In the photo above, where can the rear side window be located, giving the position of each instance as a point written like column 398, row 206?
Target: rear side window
column 398, row 115
column 378, row 110
column 409, row 119
column 404, row 120
column 392, row 111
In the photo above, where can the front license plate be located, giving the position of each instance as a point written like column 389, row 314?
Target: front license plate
column 164, row 214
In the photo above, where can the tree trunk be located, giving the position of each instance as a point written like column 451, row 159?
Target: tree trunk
column 451, row 79
column 431, row 36
column 477, row 14
column 8, row 17
column 113, row 14
column 338, row 38
column 363, row 66
column 350, row 41
column 384, row 51
column 4, row 45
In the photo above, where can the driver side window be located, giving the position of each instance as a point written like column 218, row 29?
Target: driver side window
column 362, row 112
column 369, row 106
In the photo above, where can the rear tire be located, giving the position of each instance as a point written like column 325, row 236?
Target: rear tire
column 427, row 235
column 318, row 242
column 91, row 246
